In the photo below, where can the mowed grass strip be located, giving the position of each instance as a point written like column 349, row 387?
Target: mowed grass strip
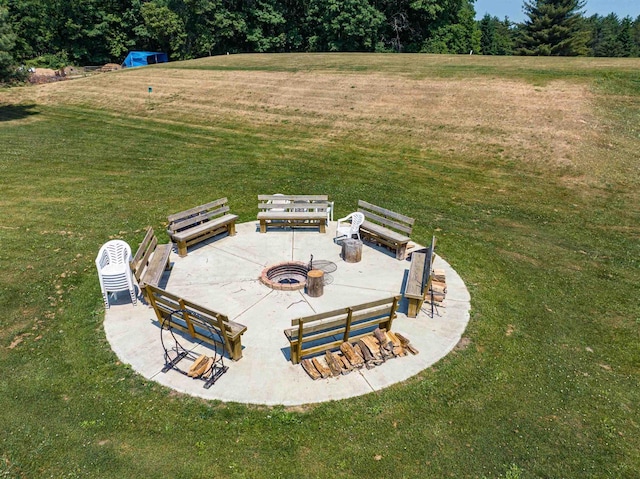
column 541, row 224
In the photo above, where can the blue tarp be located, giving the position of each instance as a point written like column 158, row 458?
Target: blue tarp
column 139, row 59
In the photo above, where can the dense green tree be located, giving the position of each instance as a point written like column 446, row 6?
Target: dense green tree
column 458, row 34
column 8, row 70
column 266, row 27
column 423, row 25
column 30, row 21
column 165, row 28
column 496, row 36
column 554, row 27
column 343, row 25
column 59, row 32
column 80, row 31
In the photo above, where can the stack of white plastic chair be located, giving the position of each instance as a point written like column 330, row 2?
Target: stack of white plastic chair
column 114, row 270
column 349, row 226
column 330, row 212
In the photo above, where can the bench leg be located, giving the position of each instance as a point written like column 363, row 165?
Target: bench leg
column 182, row 248
column 412, row 311
column 236, row 349
column 401, row 252
column 414, row 307
column 322, row 227
column 232, row 229
column 263, row 226
column 294, row 355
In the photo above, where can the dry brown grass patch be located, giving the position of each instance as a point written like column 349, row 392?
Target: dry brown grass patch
column 547, row 125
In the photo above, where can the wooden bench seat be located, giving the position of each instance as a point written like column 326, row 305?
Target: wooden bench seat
column 326, row 331
column 419, row 279
column 293, row 211
column 386, row 227
column 199, row 322
column 151, row 260
column 200, row 223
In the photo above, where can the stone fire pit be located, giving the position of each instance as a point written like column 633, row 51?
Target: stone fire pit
column 285, row 276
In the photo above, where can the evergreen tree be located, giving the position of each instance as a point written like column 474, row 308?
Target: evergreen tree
column 496, row 36
column 635, row 34
column 625, row 38
column 554, row 27
column 606, row 42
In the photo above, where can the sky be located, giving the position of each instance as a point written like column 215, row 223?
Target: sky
column 513, row 8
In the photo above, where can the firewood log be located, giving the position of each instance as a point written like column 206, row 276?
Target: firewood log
column 366, row 354
column 322, row 367
column 438, row 287
column 411, row 348
column 398, row 350
column 406, row 344
column 385, row 343
column 208, row 370
column 196, row 368
column 364, row 351
column 373, row 346
column 350, row 354
column 307, row 365
column 437, row 297
column 346, row 365
column 358, row 350
column 334, row 364
column 438, row 275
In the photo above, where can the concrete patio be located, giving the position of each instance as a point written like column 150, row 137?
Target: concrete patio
column 222, row 274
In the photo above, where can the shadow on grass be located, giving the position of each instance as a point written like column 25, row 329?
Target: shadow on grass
column 16, row 112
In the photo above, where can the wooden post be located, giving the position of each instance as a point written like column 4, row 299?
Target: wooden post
column 347, row 326
column 315, row 283
column 352, row 250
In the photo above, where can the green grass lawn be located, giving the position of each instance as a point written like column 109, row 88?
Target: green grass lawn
column 546, row 387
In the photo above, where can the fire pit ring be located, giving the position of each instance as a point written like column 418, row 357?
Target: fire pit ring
column 285, row 276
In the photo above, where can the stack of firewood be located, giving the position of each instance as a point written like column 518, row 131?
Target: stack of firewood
column 438, row 287
column 202, row 367
column 368, row 352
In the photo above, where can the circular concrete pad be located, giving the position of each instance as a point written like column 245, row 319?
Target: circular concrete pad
column 223, row 275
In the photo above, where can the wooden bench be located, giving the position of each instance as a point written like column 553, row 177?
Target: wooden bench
column 419, row 279
column 327, row 331
column 293, row 210
column 200, row 323
column 386, row 227
column 200, row 223
column 151, row 260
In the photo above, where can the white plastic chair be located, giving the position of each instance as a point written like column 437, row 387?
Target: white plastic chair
column 278, row 202
column 350, row 228
column 330, row 212
column 114, row 271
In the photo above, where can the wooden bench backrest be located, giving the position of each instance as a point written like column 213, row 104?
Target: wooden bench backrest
column 343, row 321
column 199, row 214
column 293, row 202
column 428, row 267
column 387, row 218
column 195, row 317
column 144, row 252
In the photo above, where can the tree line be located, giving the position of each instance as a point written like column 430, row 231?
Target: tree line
column 91, row 32
column 596, row 36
